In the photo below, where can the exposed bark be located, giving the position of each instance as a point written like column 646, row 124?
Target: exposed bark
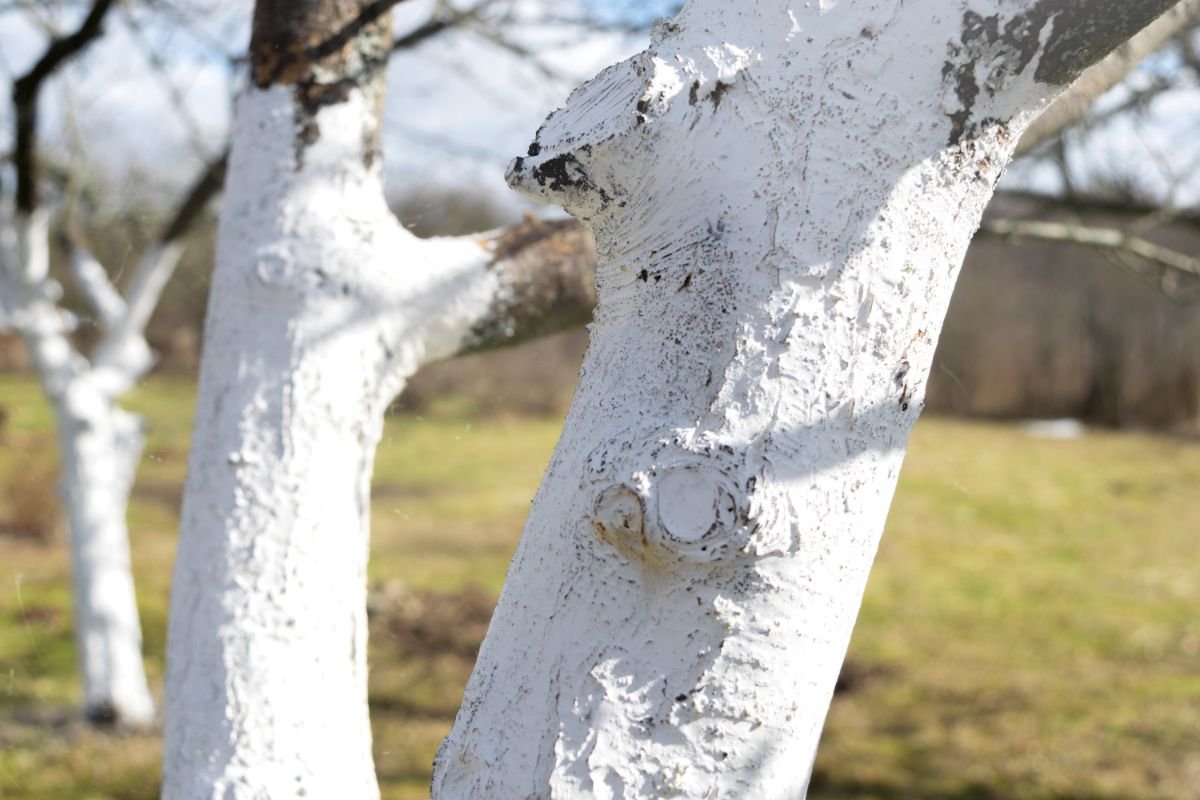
column 782, row 196
column 547, row 275
column 1073, row 105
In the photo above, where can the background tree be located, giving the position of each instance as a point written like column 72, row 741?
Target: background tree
column 99, row 443
column 322, row 305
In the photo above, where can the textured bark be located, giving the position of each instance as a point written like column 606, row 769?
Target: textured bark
column 547, row 275
column 781, row 195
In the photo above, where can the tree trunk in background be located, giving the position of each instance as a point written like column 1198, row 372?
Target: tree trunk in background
column 781, row 194
column 322, row 305
column 99, row 447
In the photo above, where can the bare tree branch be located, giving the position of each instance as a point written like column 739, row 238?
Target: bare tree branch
column 428, row 30
column 1103, row 238
column 155, row 268
column 443, row 20
column 370, row 13
column 202, row 190
column 1084, row 203
column 1071, row 107
column 25, row 97
column 505, row 43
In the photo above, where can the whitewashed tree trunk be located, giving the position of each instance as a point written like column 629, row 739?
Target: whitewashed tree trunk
column 782, row 194
column 99, row 447
column 99, row 443
column 321, row 306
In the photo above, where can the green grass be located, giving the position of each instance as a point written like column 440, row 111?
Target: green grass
column 1031, row 630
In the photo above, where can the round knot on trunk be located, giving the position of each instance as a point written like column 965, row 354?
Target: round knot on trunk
column 686, row 499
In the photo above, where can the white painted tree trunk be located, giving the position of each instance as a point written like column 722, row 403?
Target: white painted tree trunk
column 321, row 306
column 99, row 448
column 782, row 194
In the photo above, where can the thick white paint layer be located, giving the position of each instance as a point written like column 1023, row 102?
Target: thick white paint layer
column 782, row 206
column 99, row 447
column 322, row 305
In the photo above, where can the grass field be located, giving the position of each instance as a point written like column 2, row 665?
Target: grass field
column 1031, row 630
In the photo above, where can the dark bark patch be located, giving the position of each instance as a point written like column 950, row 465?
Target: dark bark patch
column 1081, row 33
column 1008, row 45
column 718, row 92
column 325, row 49
column 564, row 172
column 548, row 268
column 1085, row 32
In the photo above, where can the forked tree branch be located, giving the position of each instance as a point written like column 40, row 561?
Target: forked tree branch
column 98, row 289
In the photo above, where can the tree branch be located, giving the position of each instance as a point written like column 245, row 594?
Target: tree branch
column 25, row 96
column 1085, row 203
column 1083, row 32
column 92, row 279
column 1110, row 239
column 1071, row 107
column 203, row 189
column 370, row 13
column 547, row 274
column 442, row 21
